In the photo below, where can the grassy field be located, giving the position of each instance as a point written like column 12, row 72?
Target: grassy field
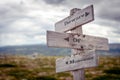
column 43, row 68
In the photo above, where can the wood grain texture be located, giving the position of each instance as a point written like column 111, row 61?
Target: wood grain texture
column 79, row 74
column 79, row 18
column 87, row 60
column 76, row 41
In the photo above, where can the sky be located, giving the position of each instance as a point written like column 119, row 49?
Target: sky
column 25, row 22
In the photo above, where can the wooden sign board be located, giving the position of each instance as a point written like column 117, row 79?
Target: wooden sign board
column 76, row 41
column 79, row 18
column 87, row 60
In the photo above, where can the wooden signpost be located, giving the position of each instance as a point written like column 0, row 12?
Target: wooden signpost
column 87, row 60
column 76, row 41
column 83, row 46
column 78, row 18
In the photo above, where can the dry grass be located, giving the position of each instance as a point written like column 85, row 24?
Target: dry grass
column 43, row 68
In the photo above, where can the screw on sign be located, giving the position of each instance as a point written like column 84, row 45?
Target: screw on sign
column 83, row 46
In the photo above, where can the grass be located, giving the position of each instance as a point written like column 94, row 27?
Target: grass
column 7, row 65
column 108, row 69
column 113, row 70
column 107, row 77
column 110, row 74
column 43, row 78
column 43, row 68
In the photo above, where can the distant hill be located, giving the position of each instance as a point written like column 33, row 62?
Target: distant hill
column 44, row 50
column 31, row 49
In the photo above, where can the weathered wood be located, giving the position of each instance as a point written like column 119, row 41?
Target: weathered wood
column 79, row 18
column 75, row 62
column 83, row 46
column 76, row 41
column 78, row 74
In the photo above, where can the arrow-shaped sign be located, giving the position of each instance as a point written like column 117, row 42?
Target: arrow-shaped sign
column 79, row 18
column 86, row 60
column 71, row 40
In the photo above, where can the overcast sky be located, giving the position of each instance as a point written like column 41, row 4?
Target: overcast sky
column 26, row 21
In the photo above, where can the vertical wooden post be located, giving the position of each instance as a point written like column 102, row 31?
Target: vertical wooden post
column 77, row 74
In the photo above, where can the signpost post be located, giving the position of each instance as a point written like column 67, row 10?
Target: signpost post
column 83, row 46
